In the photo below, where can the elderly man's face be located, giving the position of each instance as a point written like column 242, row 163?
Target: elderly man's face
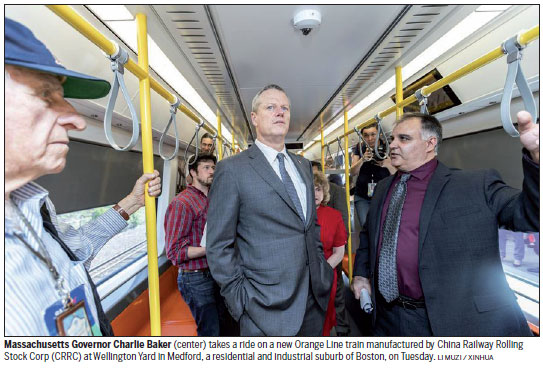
column 272, row 117
column 37, row 121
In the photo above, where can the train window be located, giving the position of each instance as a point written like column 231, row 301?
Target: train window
column 520, row 259
column 438, row 101
column 121, row 250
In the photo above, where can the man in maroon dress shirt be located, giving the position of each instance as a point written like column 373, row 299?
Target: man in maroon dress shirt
column 448, row 269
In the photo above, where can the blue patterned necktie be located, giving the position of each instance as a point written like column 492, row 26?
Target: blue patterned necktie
column 388, row 276
column 289, row 185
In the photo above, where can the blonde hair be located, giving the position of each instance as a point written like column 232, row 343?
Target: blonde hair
column 320, row 180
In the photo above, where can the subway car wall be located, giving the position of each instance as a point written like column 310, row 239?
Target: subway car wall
column 94, row 176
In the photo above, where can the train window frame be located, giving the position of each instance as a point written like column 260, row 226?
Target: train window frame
column 526, row 289
column 110, row 287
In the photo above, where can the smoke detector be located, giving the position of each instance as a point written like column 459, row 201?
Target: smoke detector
column 306, row 20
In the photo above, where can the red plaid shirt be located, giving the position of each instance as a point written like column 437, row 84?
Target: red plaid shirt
column 184, row 225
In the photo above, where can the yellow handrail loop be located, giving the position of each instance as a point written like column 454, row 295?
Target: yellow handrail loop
column 173, row 111
column 380, row 133
column 118, row 59
column 423, row 100
column 512, row 48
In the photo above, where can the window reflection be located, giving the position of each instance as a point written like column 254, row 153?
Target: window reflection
column 519, row 252
column 121, row 250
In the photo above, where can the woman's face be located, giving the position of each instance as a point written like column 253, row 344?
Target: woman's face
column 319, row 195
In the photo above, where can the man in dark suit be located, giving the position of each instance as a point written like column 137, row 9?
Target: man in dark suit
column 429, row 253
column 263, row 240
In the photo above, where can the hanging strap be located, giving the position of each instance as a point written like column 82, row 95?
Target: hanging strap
column 118, row 60
column 173, row 111
column 214, row 150
column 198, row 126
column 514, row 74
column 340, row 148
column 385, row 140
column 423, row 100
column 328, row 153
column 360, row 140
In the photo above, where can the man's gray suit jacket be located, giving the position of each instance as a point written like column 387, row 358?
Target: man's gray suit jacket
column 260, row 251
column 460, row 268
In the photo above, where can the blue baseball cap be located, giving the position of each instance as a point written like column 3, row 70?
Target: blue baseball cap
column 22, row 48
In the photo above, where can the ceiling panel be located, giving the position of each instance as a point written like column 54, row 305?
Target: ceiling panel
column 263, row 47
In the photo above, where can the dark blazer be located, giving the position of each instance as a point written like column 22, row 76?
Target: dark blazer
column 338, row 201
column 262, row 254
column 460, row 269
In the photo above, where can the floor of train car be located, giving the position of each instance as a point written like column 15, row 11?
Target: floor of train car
column 176, row 318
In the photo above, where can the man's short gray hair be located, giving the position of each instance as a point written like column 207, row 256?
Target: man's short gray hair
column 256, row 103
column 430, row 126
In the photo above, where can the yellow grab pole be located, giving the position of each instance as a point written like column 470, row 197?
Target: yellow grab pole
column 524, row 38
column 71, row 17
column 347, row 190
column 528, row 36
column 322, row 148
column 219, row 134
column 148, row 167
column 399, row 91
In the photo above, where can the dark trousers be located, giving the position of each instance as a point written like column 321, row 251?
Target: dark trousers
column 397, row 321
column 312, row 324
column 202, row 295
column 342, row 321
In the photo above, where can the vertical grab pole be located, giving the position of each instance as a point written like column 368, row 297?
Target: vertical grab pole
column 322, row 148
column 347, row 187
column 399, row 92
column 148, row 167
column 219, row 134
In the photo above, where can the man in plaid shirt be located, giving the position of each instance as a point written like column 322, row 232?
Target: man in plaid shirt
column 184, row 225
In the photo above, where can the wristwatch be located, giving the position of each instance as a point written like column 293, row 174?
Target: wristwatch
column 121, row 211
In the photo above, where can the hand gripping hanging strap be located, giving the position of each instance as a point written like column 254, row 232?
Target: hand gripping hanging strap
column 514, row 74
column 423, row 100
column 385, row 140
column 173, row 110
column 198, row 126
column 118, row 60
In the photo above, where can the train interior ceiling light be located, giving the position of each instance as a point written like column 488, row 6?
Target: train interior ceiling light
column 122, row 22
column 476, row 20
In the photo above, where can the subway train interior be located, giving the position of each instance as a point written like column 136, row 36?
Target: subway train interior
column 342, row 67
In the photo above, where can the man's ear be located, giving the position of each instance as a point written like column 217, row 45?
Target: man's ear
column 253, row 119
column 431, row 144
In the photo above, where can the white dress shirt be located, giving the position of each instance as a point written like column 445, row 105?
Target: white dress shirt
column 271, row 156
